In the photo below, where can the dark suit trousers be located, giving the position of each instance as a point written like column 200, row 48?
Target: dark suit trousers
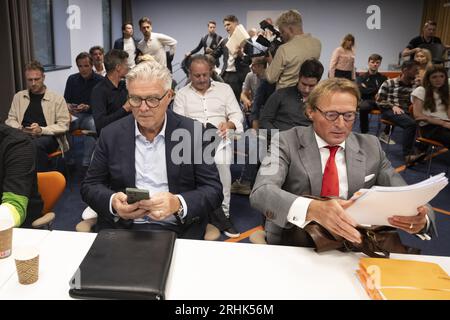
column 233, row 79
column 364, row 109
column 43, row 146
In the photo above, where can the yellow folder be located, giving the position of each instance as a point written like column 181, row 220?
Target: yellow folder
column 393, row 279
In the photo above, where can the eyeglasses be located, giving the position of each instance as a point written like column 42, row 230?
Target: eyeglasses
column 151, row 102
column 333, row 115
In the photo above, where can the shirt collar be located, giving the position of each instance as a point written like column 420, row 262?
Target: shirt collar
column 212, row 84
column 322, row 144
column 162, row 133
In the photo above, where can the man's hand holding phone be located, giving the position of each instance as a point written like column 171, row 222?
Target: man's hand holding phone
column 34, row 129
column 124, row 209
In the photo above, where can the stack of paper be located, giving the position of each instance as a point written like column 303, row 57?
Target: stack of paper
column 374, row 206
column 390, row 279
column 238, row 36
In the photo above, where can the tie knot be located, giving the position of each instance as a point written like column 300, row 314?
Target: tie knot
column 333, row 149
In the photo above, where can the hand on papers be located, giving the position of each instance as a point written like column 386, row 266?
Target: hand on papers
column 412, row 224
column 160, row 206
column 331, row 215
column 127, row 211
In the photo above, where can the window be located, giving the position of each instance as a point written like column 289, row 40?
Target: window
column 42, row 24
column 106, row 9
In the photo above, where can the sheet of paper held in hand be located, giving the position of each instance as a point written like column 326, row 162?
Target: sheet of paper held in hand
column 377, row 204
column 238, row 36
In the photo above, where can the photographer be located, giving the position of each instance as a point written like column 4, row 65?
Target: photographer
column 285, row 65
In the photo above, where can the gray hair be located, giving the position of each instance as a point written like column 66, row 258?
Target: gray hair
column 150, row 71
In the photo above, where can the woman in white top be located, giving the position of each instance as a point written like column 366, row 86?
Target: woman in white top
column 342, row 64
column 431, row 105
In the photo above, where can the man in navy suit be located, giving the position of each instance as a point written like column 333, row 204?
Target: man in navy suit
column 128, row 43
column 143, row 151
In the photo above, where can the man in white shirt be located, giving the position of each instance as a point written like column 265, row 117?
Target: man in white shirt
column 98, row 55
column 326, row 160
column 128, row 43
column 154, row 44
column 213, row 104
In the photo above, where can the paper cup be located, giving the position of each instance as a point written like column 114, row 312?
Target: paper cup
column 6, row 229
column 27, row 264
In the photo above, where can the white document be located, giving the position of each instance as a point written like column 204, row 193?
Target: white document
column 377, row 204
column 238, row 36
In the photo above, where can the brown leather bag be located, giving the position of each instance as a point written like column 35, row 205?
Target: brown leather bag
column 377, row 241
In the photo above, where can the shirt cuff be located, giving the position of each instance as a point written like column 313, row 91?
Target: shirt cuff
column 6, row 214
column 183, row 203
column 425, row 236
column 110, row 206
column 297, row 212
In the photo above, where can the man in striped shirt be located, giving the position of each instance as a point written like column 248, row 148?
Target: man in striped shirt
column 21, row 203
column 394, row 98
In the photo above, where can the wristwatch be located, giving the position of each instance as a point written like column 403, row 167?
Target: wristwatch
column 179, row 214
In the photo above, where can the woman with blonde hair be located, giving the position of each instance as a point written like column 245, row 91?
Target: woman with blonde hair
column 424, row 59
column 431, row 103
column 342, row 64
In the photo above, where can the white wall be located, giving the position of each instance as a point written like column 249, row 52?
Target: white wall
column 89, row 34
column 327, row 20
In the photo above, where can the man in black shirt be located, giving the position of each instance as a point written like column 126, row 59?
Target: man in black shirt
column 109, row 97
column 427, row 40
column 40, row 113
column 369, row 84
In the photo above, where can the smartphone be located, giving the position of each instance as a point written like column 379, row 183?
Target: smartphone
column 135, row 195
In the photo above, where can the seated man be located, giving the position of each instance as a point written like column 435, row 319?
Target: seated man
column 213, row 104
column 141, row 151
column 328, row 160
column 369, row 83
column 21, row 203
column 40, row 113
column 78, row 96
column 394, row 98
column 285, row 108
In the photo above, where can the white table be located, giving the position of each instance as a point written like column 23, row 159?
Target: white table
column 214, row 270
column 21, row 237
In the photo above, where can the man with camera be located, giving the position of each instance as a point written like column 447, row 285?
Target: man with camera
column 297, row 47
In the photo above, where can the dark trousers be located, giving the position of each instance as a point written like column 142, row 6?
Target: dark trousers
column 343, row 74
column 43, row 146
column 235, row 82
column 437, row 133
column 408, row 124
column 194, row 230
column 364, row 109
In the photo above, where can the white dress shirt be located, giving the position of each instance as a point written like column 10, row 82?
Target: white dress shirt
column 155, row 46
column 297, row 212
column 217, row 105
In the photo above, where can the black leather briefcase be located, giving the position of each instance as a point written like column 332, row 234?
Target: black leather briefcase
column 125, row 264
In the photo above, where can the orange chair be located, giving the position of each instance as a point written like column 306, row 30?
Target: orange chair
column 51, row 185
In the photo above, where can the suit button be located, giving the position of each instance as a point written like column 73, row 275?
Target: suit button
column 269, row 215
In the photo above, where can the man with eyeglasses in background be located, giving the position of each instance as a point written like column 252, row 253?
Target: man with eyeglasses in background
column 142, row 151
column 325, row 160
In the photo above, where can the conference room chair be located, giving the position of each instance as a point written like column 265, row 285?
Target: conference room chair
column 51, row 185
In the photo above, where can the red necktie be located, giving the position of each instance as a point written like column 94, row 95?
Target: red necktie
column 330, row 179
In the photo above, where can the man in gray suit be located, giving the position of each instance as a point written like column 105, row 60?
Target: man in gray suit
column 326, row 159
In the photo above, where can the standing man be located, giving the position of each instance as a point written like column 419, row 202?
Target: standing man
column 427, row 40
column 40, row 113
column 78, row 97
column 128, row 43
column 109, row 97
column 98, row 53
column 154, row 44
column 214, row 105
column 369, row 84
column 326, row 160
column 235, row 66
column 137, row 151
column 298, row 46
column 209, row 42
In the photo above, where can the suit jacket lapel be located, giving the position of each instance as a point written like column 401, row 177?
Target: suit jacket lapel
column 356, row 165
column 127, row 150
column 173, row 171
column 310, row 156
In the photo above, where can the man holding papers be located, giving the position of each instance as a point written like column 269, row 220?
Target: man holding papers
column 328, row 160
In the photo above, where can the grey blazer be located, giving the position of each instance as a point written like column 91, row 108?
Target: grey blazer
column 299, row 172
